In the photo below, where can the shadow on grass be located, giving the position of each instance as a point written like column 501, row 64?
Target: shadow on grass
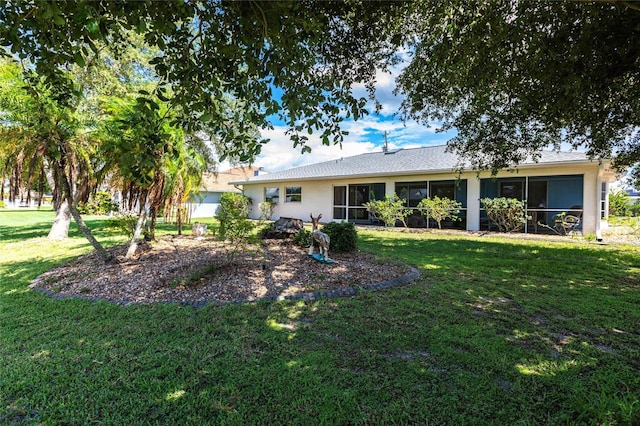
column 493, row 333
column 507, row 259
column 567, row 313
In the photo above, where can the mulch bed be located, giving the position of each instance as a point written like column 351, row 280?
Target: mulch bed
column 191, row 271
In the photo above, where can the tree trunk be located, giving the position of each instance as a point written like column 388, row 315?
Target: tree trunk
column 153, row 212
column 142, row 218
column 60, row 227
column 179, row 219
column 66, row 198
column 89, row 236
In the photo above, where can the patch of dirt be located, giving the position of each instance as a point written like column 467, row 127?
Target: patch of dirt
column 195, row 271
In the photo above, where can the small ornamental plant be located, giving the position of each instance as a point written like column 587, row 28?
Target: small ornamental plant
column 266, row 209
column 390, row 210
column 508, row 214
column 343, row 236
column 439, row 209
column 235, row 226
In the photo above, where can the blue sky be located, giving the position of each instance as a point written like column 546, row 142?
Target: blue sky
column 365, row 135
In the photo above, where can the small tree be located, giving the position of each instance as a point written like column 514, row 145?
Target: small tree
column 390, row 210
column 439, row 209
column 507, row 213
column 235, row 226
column 266, row 209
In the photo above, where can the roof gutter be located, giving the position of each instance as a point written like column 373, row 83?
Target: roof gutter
column 396, row 173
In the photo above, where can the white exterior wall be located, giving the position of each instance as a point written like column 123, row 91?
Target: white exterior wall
column 317, row 195
column 591, row 203
column 473, row 203
column 207, row 206
column 317, row 198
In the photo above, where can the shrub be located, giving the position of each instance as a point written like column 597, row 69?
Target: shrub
column 507, row 213
column 125, row 223
column 619, row 203
column 439, row 209
column 99, row 203
column 266, row 209
column 266, row 230
column 234, row 208
column 235, row 226
column 343, row 236
column 390, row 210
column 302, row 238
column 2, row 205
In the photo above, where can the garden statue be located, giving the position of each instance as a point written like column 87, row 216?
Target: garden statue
column 320, row 239
column 199, row 230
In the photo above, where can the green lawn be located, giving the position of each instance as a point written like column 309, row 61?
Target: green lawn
column 496, row 331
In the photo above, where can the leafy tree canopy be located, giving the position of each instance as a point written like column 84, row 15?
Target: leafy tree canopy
column 513, row 77
column 212, row 53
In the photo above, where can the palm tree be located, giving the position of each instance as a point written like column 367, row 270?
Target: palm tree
column 150, row 158
column 42, row 135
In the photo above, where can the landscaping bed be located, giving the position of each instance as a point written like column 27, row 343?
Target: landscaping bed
column 193, row 271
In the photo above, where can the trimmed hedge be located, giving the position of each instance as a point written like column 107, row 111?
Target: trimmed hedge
column 343, row 236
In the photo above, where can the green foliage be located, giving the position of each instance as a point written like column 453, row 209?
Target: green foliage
column 235, row 226
column 343, row 236
column 234, row 209
column 302, row 238
column 471, row 339
column 619, row 203
column 99, row 203
column 504, row 75
column 439, row 209
column 2, row 205
column 266, row 209
column 228, row 90
column 266, row 230
column 390, row 210
column 508, row 214
column 124, row 223
column 634, row 209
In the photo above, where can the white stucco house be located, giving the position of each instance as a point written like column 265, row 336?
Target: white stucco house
column 206, row 202
column 559, row 182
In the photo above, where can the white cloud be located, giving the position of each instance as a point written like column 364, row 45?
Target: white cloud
column 365, row 135
column 280, row 154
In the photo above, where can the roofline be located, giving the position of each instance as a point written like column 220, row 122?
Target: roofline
column 414, row 172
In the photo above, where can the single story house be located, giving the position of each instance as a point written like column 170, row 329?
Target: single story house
column 634, row 195
column 559, row 182
column 206, row 202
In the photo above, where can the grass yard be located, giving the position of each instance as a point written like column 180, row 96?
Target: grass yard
column 496, row 331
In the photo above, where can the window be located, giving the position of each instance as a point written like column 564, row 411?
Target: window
column 537, row 197
column 443, row 189
column 604, row 191
column 357, row 195
column 511, row 189
column 293, row 194
column 339, row 202
column 272, row 195
column 412, row 192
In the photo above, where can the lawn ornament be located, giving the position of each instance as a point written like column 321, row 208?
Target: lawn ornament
column 320, row 239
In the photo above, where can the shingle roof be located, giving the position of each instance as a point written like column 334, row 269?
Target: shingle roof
column 221, row 181
column 404, row 161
